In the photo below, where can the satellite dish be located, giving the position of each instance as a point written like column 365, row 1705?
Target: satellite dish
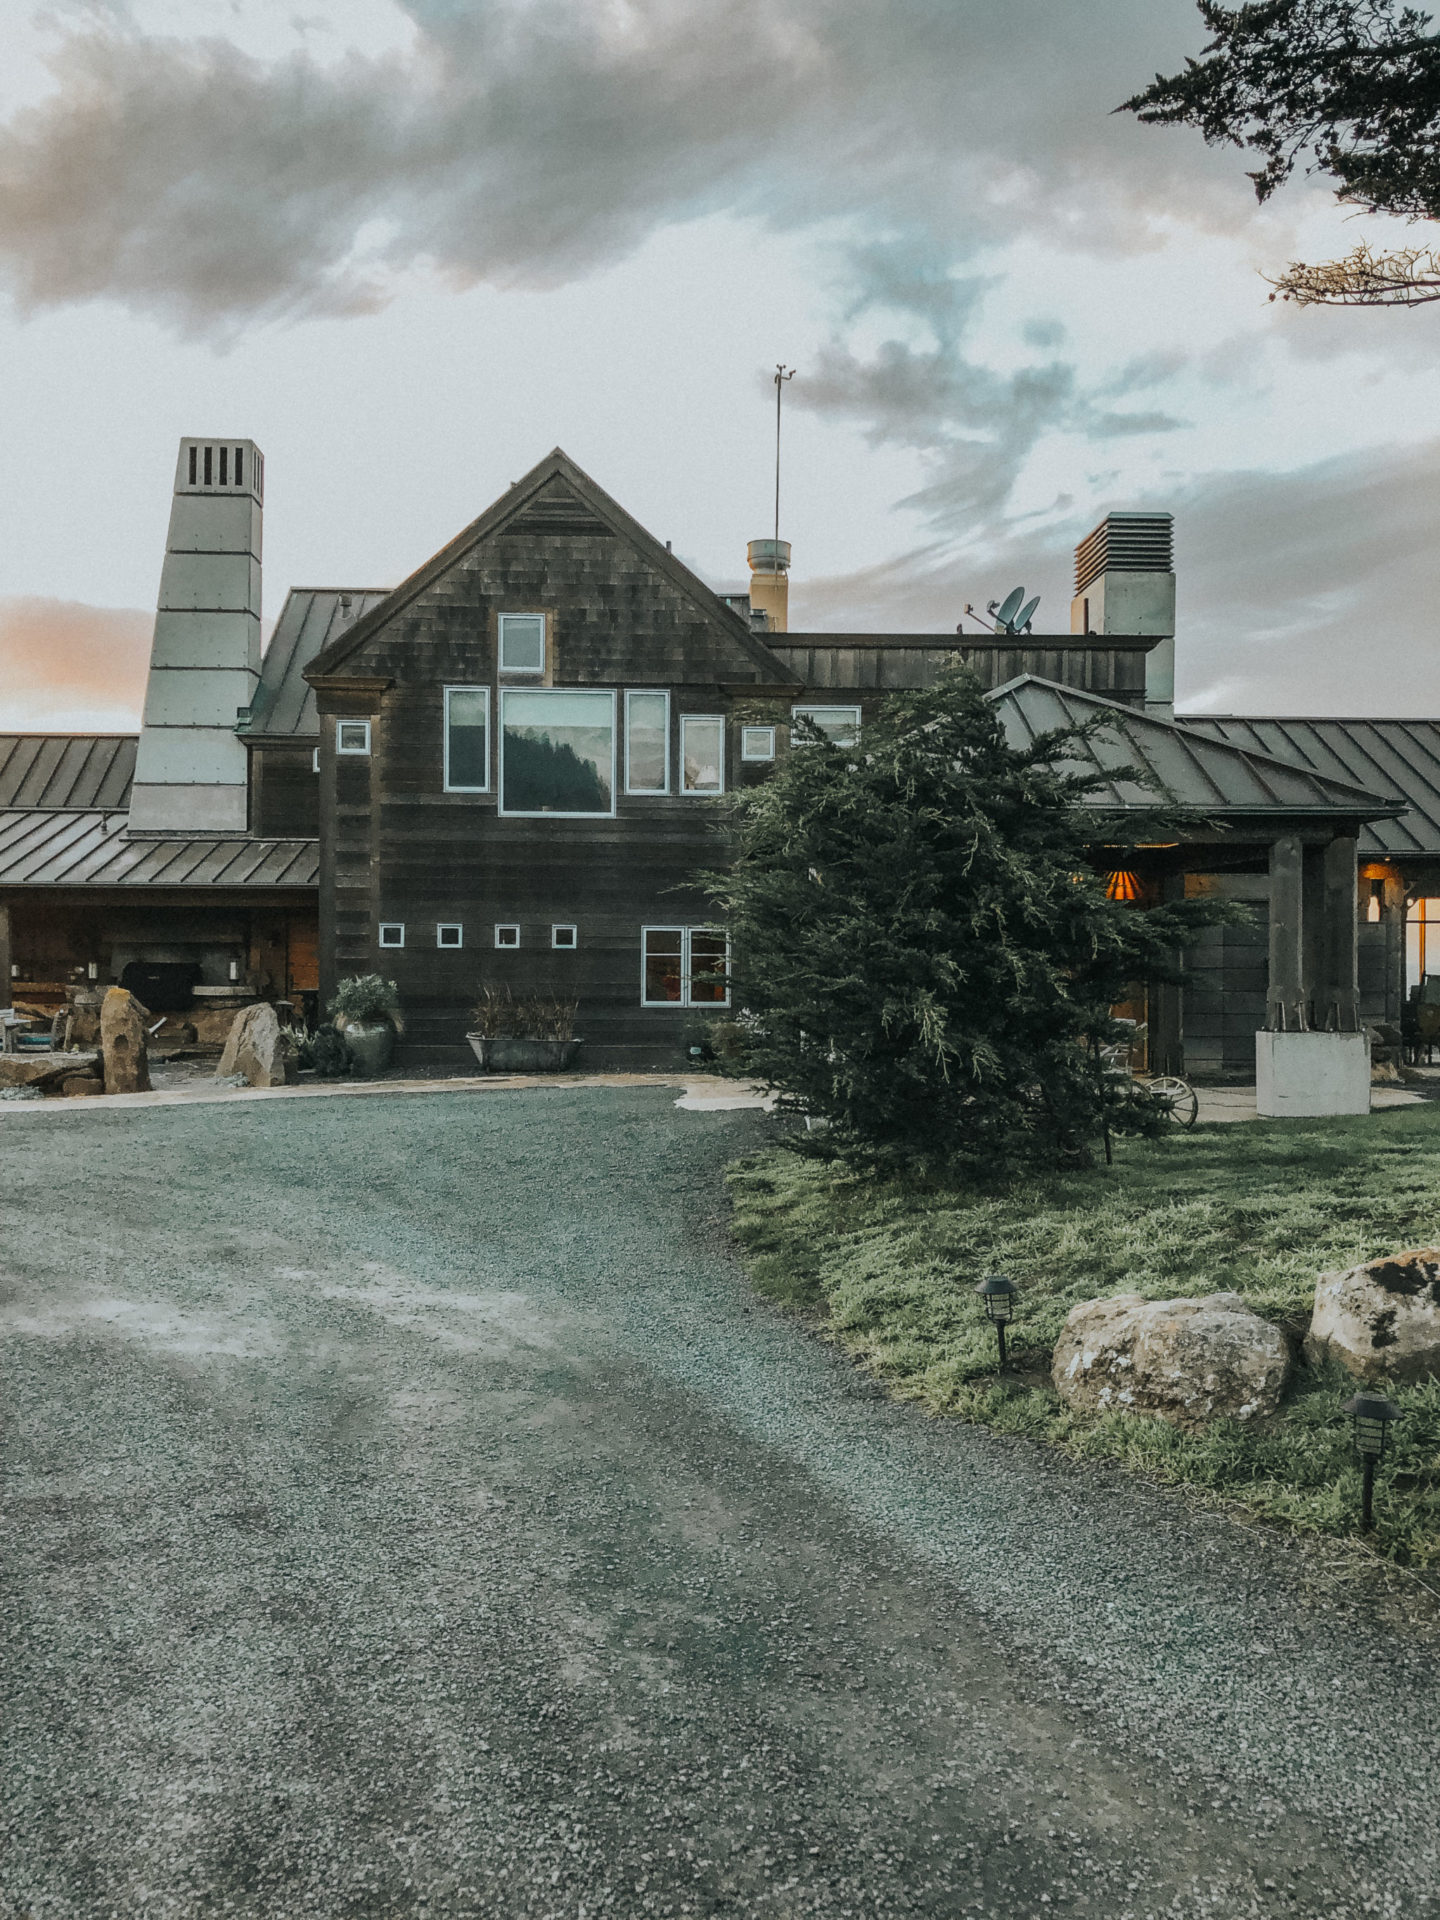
column 1008, row 614
column 1008, row 608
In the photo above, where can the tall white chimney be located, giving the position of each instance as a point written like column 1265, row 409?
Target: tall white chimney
column 190, row 769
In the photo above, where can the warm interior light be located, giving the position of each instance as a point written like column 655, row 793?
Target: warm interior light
column 1376, row 902
column 1122, row 886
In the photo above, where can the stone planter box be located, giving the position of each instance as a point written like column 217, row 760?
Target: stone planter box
column 1304, row 1075
column 507, row 1054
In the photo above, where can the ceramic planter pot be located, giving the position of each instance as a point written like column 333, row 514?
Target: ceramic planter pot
column 371, row 1047
column 507, row 1054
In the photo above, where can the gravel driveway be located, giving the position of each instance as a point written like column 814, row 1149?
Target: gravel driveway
column 409, row 1511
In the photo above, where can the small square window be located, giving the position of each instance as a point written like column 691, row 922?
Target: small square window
column 352, row 736
column 757, row 743
column 392, row 933
column 563, row 937
column 449, row 933
column 522, row 643
column 507, row 936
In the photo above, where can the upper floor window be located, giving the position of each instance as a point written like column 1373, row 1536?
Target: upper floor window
column 702, row 752
column 522, row 643
column 352, row 736
column 557, row 751
column 467, row 739
column 757, row 743
column 647, row 742
column 840, row 725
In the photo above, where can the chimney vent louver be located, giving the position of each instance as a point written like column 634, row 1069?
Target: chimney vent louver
column 1126, row 543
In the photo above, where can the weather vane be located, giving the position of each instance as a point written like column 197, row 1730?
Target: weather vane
column 782, row 374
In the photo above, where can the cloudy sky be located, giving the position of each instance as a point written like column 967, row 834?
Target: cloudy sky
column 410, row 245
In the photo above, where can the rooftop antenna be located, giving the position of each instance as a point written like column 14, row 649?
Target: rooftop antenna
column 782, row 374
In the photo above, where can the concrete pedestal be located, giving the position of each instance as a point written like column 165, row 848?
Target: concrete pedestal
column 1306, row 1075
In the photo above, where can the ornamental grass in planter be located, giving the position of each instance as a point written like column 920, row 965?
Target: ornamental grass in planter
column 525, row 1033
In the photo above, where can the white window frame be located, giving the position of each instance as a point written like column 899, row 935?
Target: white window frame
column 746, row 754
column 315, row 760
column 388, row 927
column 564, row 946
column 686, row 968
column 811, row 707
column 450, row 786
column 443, row 927
column 527, row 813
column 516, row 614
column 341, row 725
column 650, row 693
column 507, row 926
column 710, row 720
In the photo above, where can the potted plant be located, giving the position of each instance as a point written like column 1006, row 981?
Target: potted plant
column 366, row 1009
column 532, row 1034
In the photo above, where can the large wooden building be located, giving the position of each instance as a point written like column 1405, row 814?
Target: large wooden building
column 503, row 773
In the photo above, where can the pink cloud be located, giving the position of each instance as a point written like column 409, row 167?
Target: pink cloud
column 69, row 668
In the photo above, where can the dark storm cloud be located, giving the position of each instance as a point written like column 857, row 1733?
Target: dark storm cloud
column 527, row 141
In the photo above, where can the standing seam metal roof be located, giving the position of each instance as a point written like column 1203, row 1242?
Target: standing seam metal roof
column 66, row 769
column 1402, row 755
column 71, row 847
column 1179, row 765
column 309, row 620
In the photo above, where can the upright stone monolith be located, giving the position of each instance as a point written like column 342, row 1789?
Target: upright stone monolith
column 122, row 1043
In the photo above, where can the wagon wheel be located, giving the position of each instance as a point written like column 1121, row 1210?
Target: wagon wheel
column 1177, row 1099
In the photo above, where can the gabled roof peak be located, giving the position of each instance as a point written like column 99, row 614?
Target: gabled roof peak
column 605, row 510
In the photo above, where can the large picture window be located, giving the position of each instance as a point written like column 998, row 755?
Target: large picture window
column 702, row 752
column 647, row 742
column 557, row 752
column 467, row 739
column 685, row 967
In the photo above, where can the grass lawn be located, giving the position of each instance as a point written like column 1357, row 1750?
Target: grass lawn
column 886, row 1268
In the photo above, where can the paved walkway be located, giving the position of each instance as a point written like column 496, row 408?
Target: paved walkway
column 411, row 1511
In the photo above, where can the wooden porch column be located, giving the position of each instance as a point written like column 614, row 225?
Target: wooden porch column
column 1337, row 997
column 1285, row 1001
column 5, row 953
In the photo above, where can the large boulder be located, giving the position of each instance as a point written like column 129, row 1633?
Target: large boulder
column 42, row 1070
column 258, row 1049
column 1381, row 1321
column 122, row 1043
column 1188, row 1361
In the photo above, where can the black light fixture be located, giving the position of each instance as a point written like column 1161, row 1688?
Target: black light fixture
column 1372, row 1415
column 998, row 1293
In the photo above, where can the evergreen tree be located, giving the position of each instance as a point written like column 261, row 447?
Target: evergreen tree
column 924, row 953
column 1348, row 88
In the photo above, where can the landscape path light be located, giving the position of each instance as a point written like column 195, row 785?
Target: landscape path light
column 998, row 1293
column 1372, row 1415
